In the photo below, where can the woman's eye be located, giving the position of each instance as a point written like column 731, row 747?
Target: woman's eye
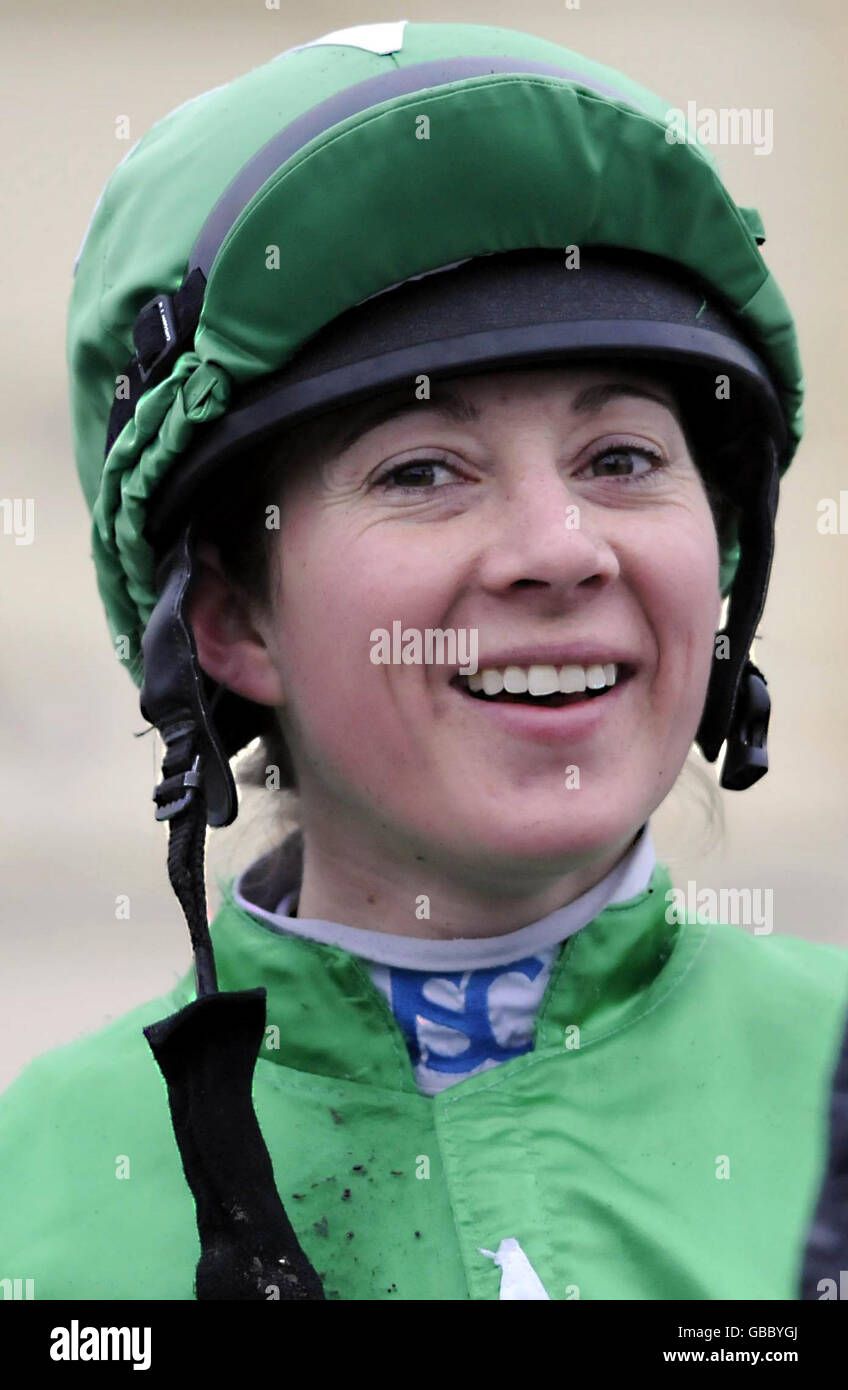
column 627, row 463
column 622, row 457
column 417, row 476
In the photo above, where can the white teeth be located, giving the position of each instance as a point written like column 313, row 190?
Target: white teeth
column 571, row 679
column 515, row 680
column 493, row 682
column 542, row 680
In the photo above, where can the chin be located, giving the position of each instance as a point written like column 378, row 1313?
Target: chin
column 528, row 831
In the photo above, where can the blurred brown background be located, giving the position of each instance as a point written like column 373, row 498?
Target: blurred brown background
column 77, row 818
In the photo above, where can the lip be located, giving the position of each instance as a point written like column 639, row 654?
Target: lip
column 546, row 724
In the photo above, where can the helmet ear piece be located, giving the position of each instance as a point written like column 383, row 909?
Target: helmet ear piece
column 738, row 705
column 746, row 759
column 176, row 697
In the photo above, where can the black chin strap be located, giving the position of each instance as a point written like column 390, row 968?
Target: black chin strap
column 207, row 1051
column 207, row 1054
column 737, row 706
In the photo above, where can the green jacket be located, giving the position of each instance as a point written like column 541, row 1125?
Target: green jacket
column 664, row 1139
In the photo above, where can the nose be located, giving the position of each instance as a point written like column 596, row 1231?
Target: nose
column 540, row 535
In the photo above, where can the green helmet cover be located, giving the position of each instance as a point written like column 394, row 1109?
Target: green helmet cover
column 502, row 161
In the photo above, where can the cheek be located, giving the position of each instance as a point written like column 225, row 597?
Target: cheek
column 681, row 598
column 340, row 579
column 324, row 604
column 337, row 586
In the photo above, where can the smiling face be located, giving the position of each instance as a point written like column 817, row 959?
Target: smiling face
column 557, row 513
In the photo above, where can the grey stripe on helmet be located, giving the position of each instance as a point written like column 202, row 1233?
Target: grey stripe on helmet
column 362, row 95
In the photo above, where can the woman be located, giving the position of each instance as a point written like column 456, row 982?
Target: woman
column 457, row 411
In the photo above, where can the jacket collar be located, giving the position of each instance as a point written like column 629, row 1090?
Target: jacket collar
column 325, row 1016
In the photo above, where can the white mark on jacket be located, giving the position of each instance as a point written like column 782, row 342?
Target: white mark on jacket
column 518, row 1277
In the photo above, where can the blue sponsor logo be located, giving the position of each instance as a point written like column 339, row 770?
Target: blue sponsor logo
column 471, row 1018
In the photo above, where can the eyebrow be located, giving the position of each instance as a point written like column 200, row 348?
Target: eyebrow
column 591, row 400
column 442, row 401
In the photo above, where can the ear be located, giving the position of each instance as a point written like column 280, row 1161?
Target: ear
column 230, row 647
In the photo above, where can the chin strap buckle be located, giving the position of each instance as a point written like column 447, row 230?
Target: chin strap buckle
column 746, row 758
column 169, row 803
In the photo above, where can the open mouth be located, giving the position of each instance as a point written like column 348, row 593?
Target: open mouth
column 552, row 699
